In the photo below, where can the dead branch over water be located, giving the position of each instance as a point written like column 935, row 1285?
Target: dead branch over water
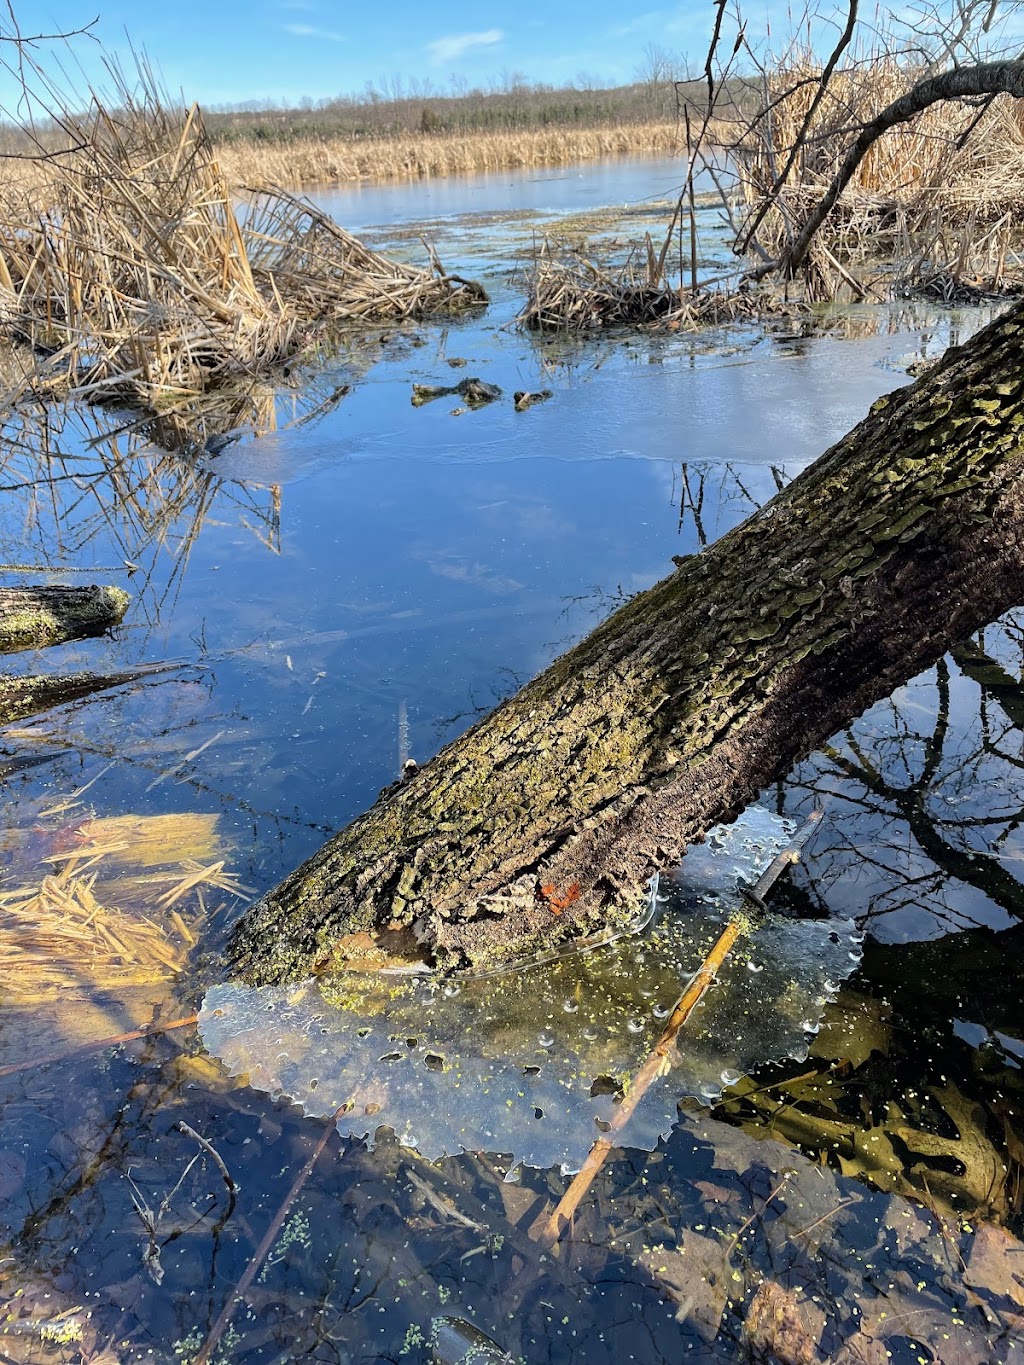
column 928, row 182
column 135, row 277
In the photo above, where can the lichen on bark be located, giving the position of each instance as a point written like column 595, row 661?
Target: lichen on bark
column 35, row 618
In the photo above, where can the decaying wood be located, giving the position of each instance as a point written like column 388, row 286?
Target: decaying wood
column 31, row 618
column 24, row 697
column 546, row 819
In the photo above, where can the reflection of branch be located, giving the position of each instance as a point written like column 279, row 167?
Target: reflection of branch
column 976, row 869
column 993, row 680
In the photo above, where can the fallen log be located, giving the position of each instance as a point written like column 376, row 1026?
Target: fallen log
column 545, row 820
column 32, row 618
column 29, row 696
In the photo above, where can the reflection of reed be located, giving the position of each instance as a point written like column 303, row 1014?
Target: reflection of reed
column 71, row 482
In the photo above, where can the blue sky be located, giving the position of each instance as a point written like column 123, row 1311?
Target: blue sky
column 232, row 50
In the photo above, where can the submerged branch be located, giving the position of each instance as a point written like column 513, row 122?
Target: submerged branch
column 24, row 697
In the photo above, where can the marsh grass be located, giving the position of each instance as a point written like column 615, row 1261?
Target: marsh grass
column 940, row 193
column 320, row 161
column 570, row 290
column 131, row 276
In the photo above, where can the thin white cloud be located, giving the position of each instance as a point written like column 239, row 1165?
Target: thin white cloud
column 641, row 24
column 311, row 31
column 455, row 45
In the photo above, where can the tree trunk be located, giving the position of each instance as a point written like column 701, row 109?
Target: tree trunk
column 31, row 618
column 546, row 819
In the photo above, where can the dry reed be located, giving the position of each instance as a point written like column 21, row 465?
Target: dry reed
column 118, row 909
column 948, row 173
column 339, row 161
column 130, row 271
column 568, row 291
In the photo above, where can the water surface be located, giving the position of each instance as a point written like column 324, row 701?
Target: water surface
column 340, row 592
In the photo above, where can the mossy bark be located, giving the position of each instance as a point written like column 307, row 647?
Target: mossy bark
column 32, row 618
column 546, row 819
column 30, row 696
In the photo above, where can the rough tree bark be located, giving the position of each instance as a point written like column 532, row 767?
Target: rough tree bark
column 546, row 819
column 31, row 618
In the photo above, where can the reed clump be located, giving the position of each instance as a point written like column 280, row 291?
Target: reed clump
column 927, row 192
column 344, row 160
column 569, row 291
column 129, row 271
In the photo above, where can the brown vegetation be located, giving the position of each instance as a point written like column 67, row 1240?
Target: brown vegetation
column 940, row 191
column 129, row 270
column 420, row 156
column 570, row 291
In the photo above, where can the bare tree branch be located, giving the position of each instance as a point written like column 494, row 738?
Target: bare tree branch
column 987, row 78
column 845, row 39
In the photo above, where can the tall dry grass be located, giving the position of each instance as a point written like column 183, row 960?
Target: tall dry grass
column 949, row 175
column 338, row 160
column 128, row 269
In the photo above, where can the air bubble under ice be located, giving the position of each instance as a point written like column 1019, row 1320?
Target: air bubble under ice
column 486, row 1067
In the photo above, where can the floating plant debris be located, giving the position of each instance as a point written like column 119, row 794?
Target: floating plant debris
column 534, row 1062
column 104, row 904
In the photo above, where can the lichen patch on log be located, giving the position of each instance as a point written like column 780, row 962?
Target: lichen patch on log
column 34, row 618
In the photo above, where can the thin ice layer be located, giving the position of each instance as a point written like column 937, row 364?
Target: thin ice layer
column 530, row 1062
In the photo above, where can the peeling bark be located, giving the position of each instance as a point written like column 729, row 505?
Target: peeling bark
column 32, row 618
column 546, row 819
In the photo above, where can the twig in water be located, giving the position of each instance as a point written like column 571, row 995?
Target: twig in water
column 99, row 1045
column 260, row 1254
column 217, row 1160
column 734, row 1243
column 547, row 1230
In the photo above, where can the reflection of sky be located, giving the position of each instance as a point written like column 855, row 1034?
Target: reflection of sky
column 420, row 557
column 540, row 189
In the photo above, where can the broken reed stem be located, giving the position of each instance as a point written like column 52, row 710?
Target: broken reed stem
column 547, row 1230
column 99, row 1045
column 260, row 1254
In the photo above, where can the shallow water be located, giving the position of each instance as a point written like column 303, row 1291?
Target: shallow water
column 323, row 583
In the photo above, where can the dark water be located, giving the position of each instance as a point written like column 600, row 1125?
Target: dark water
column 344, row 590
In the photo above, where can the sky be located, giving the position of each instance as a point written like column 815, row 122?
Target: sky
column 227, row 51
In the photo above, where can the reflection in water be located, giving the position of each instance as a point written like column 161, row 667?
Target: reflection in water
column 927, row 794
column 412, row 559
column 713, row 496
column 73, row 477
